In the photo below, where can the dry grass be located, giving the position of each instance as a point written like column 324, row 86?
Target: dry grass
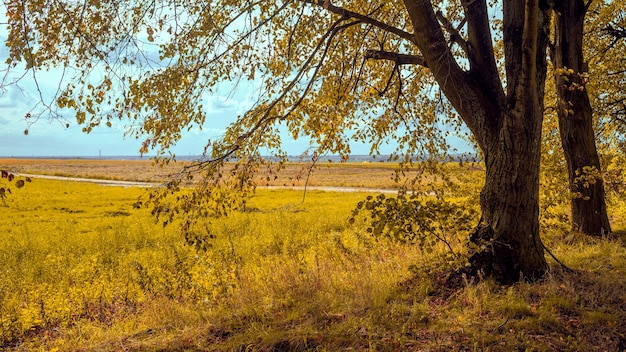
column 127, row 170
column 364, row 175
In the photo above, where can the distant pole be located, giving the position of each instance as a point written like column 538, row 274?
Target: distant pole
column 100, row 153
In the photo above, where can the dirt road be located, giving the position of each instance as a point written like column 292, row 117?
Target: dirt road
column 119, row 183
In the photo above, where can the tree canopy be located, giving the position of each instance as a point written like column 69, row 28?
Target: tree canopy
column 323, row 70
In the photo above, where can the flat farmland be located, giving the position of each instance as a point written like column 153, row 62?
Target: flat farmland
column 376, row 175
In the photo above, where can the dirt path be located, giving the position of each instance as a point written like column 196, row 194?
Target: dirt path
column 119, row 183
column 92, row 180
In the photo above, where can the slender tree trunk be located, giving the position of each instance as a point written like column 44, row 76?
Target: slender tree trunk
column 588, row 207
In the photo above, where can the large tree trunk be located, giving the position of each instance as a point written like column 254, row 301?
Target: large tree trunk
column 589, row 213
column 510, row 248
column 508, row 234
column 507, row 126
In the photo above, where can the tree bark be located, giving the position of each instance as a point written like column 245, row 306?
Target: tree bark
column 508, row 235
column 588, row 206
column 507, row 127
column 510, row 248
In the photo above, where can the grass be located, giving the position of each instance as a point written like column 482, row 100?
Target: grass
column 84, row 271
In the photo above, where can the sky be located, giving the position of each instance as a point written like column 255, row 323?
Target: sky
column 50, row 137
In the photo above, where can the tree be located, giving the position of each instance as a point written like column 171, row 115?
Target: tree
column 607, row 26
column 331, row 71
column 576, row 122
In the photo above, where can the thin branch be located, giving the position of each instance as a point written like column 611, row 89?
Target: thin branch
column 616, row 73
column 565, row 267
column 245, row 36
column 330, row 35
column 326, row 4
column 292, row 34
column 616, row 102
column 359, row 72
column 549, row 109
column 101, row 54
column 400, row 93
column 397, row 58
column 381, row 93
column 617, row 32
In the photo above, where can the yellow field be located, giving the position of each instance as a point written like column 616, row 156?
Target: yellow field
column 82, row 270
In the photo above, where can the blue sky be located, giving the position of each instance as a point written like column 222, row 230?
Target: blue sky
column 50, row 137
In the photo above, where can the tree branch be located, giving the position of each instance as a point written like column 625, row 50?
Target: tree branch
column 455, row 36
column 480, row 51
column 363, row 18
column 265, row 118
column 616, row 32
column 454, row 82
column 398, row 59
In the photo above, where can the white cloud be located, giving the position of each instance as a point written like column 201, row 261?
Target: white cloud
column 218, row 104
column 13, row 97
